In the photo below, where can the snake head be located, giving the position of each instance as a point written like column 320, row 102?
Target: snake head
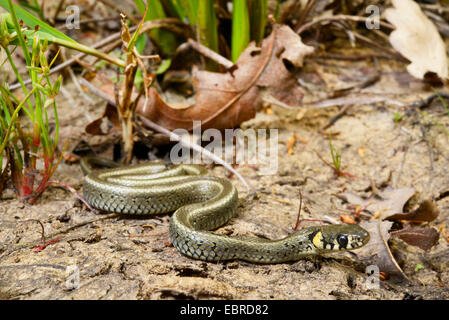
column 339, row 237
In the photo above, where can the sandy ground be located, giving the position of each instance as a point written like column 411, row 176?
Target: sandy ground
column 131, row 258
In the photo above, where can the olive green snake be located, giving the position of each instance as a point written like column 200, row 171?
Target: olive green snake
column 202, row 203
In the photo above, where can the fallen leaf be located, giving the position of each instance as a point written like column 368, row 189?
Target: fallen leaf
column 104, row 124
column 417, row 39
column 290, row 144
column 347, row 219
column 224, row 100
column 389, row 201
column 427, row 211
column 422, row 237
column 376, row 251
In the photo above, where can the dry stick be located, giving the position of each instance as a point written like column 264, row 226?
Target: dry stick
column 340, row 17
column 305, row 13
column 375, row 44
column 337, row 117
column 299, row 212
column 195, row 147
column 336, row 56
column 72, row 190
column 97, row 91
column 75, row 79
column 61, row 2
column 42, row 227
column 81, row 224
column 205, row 51
column 426, row 102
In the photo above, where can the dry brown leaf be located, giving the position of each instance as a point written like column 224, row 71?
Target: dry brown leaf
column 427, row 211
column 424, row 238
column 376, row 251
column 224, row 100
column 390, row 201
column 103, row 125
column 417, row 39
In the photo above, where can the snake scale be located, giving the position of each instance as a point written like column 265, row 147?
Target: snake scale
column 202, row 203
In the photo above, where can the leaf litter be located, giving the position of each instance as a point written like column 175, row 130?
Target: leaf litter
column 224, row 100
column 388, row 205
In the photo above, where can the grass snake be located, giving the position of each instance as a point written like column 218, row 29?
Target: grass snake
column 202, row 203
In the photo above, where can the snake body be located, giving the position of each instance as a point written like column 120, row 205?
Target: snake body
column 202, row 203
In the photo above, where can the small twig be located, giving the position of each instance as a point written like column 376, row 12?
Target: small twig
column 97, row 91
column 268, row 98
column 305, row 13
column 72, row 190
column 351, row 57
column 193, row 146
column 341, row 17
column 351, row 100
column 75, row 79
column 299, row 212
column 81, row 224
column 42, row 227
column 427, row 101
column 205, row 51
column 375, row 44
column 58, row 8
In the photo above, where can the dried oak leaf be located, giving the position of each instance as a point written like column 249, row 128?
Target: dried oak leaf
column 103, row 125
column 389, row 201
column 424, row 238
column 376, row 251
column 417, row 39
column 427, row 211
column 224, row 100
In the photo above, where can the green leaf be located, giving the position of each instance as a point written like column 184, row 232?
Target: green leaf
column 208, row 29
column 240, row 28
column 190, row 10
column 163, row 38
column 165, row 64
column 419, row 267
column 31, row 21
column 258, row 19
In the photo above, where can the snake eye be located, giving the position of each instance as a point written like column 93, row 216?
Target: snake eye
column 342, row 240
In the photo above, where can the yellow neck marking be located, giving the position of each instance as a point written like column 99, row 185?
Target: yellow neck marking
column 318, row 240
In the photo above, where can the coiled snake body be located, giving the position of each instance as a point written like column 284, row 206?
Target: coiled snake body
column 202, row 203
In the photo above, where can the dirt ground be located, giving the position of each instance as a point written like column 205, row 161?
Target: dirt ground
column 131, row 258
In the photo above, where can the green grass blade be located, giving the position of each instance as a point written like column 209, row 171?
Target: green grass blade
column 208, row 29
column 240, row 28
column 190, row 9
column 31, row 21
column 163, row 38
column 258, row 19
